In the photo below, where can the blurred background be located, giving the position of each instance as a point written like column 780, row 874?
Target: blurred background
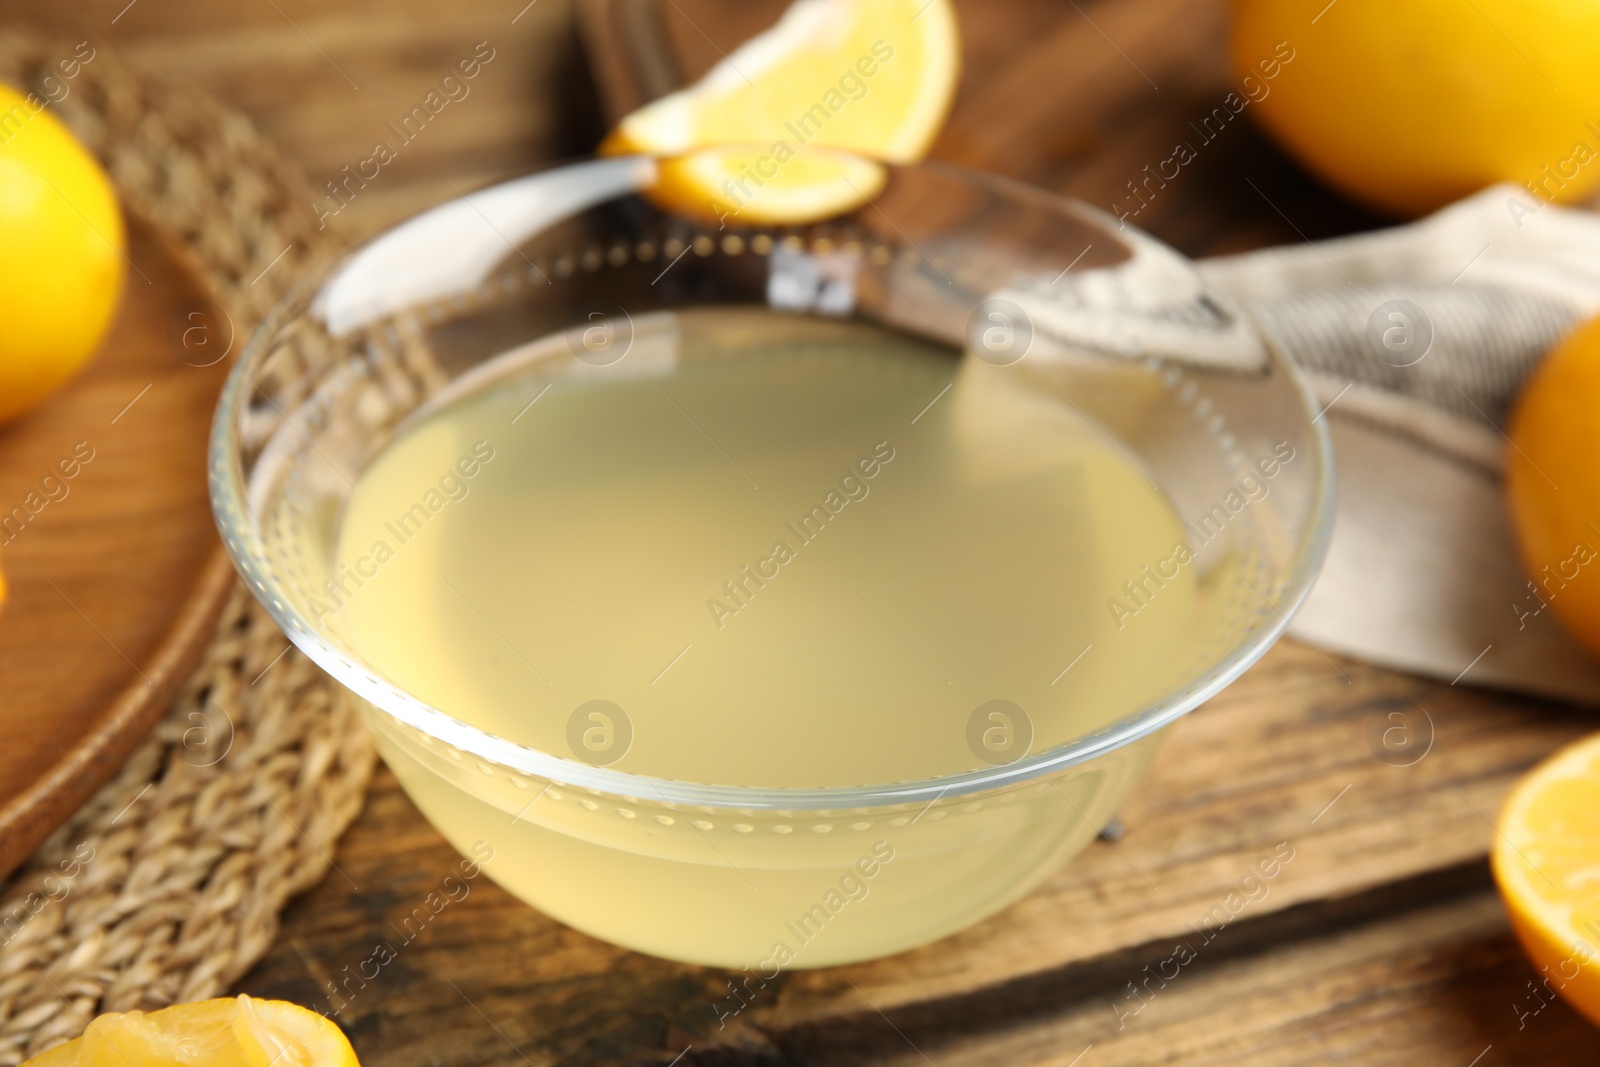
column 1077, row 98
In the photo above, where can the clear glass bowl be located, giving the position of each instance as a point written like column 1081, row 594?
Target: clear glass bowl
column 771, row 878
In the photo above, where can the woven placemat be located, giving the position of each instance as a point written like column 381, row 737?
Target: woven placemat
column 166, row 886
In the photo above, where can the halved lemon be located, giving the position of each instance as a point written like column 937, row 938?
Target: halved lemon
column 226, row 1032
column 1546, row 860
column 872, row 76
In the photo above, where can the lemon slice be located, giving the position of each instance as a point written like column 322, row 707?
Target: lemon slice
column 816, row 184
column 1546, row 860
column 871, row 76
column 226, row 1032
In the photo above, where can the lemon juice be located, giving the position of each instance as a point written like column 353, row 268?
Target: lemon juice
column 754, row 549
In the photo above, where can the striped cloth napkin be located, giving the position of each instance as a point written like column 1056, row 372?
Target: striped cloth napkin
column 1416, row 340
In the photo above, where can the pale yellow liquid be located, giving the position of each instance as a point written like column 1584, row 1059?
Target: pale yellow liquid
column 587, row 559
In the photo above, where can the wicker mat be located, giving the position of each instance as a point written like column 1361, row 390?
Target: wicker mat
column 167, row 885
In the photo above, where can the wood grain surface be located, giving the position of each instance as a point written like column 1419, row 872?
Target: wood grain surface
column 1380, row 942
column 113, row 563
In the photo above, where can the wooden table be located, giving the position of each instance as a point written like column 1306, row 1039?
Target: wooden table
column 1381, row 942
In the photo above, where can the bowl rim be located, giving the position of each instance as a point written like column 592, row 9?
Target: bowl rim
column 228, row 499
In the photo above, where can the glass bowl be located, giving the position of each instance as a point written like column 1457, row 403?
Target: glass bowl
column 1096, row 315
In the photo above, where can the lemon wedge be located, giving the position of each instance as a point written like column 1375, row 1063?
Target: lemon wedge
column 226, row 1032
column 873, row 77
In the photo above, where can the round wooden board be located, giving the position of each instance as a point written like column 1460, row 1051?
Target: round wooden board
column 115, row 572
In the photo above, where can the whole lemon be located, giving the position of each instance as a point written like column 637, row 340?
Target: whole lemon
column 1407, row 106
column 61, row 253
column 1553, row 484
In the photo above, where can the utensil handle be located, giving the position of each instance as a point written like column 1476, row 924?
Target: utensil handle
column 630, row 54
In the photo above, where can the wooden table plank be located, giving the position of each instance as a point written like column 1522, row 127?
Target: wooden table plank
column 1442, row 985
column 286, row 65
